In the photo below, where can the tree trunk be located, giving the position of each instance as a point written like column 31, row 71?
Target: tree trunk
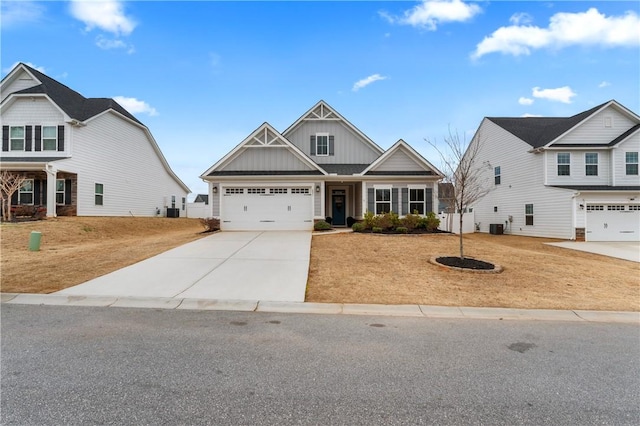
column 460, row 230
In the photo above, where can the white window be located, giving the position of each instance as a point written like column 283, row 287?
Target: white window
column 16, row 135
column 277, row 190
column 631, row 163
column 417, row 201
column 496, row 175
column 593, row 208
column 591, row 164
column 300, row 190
column 25, row 193
column 564, row 164
column 615, row 207
column 528, row 214
column 256, row 190
column 230, row 191
column 634, row 207
column 59, row 191
column 173, row 201
column 99, row 194
column 383, row 200
column 322, row 144
column 49, row 138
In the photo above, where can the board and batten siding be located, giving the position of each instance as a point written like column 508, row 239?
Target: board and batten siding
column 266, row 158
column 578, row 174
column 349, row 147
column 593, row 130
column 620, row 177
column 399, row 160
column 521, row 182
column 118, row 154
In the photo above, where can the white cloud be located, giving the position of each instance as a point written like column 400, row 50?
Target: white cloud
column 135, row 106
column 525, row 101
column 367, row 81
column 106, row 44
column 521, row 18
column 430, row 13
column 35, row 67
column 590, row 28
column 16, row 13
column 107, row 15
column 527, row 115
column 604, row 84
column 561, row 94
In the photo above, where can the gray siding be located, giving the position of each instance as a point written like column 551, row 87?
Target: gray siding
column 266, row 158
column 399, row 160
column 578, row 174
column 349, row 147
column 619, row 165
column 594, row 130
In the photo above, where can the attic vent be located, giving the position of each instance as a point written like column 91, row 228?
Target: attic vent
column 608, row 121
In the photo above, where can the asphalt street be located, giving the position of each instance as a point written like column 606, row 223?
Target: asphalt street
column 88, row 365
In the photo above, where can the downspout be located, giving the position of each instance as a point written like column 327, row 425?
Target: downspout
column 574, row 216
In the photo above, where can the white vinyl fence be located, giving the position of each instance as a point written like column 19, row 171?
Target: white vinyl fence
column 450, row 222
column 197, row 210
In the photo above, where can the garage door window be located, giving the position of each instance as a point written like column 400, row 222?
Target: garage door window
column 299, row 190
column 230, row 191
column 615, row 208
column 278, row 190
column 634, row 207
column 594, row 208
column 256, row 190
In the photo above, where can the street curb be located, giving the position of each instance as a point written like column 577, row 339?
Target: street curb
column 424, row 311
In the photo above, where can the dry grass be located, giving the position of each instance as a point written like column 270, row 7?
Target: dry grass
column 365, row 268
column 77, row 249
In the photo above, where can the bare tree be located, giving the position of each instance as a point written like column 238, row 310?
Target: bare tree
column 9, row 184
column 460, row 166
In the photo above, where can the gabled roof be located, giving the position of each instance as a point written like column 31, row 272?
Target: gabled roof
column 430, row 169
column 71, row 102
column 540, row 131
column 263, row 136
column 322, row 111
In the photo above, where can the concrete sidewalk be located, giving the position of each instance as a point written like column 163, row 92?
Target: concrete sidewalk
column 434, row 312
column 621, row 250
column 270, row 266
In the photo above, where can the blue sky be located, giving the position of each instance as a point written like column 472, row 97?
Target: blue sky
column 202, row 75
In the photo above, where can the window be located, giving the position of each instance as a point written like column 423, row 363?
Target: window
column 173, row 201
column 496, row 175
column 416, row 201
column 528, row 214
column 184, row 203
column 277, row 190
column 233, row 191
column 59, row 191
column 634, row 207
column 564, row 164
column 256, row 190
column 25, row 193
column 300, row 190
column 591, row 164
column 608, row 121
column 631, row 160
column 17, row 138
column 495, row 209
column 322, row 144
column 383, row 200
column 615, row 207
column 99, row 194
column 49, row 138
column 593, row 208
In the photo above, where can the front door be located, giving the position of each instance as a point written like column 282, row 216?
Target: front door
column 339, row 208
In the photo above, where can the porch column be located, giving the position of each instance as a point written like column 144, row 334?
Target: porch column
column 51, row 190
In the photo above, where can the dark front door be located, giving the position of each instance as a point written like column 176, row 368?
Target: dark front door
column 339, row 209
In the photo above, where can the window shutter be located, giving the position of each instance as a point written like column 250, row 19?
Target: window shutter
column 394, row 199
column 405, row 201
column 36, row 192
column 331, row 145
column 67, row 192
column 5, row 138
column 312, row 148
column 38, row 143
column 60, row 138
column 371, row 200
column 428, row 196
column 28, row 137
column 44, row 191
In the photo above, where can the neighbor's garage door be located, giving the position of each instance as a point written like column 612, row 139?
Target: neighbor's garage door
column 613, row 222
column 266, row 209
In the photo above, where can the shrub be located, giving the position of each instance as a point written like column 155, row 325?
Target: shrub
column 377, row 229
column 387, row 221
column 210, row 224
column 410, row 221
column 401, row 230
column 369, row 220
column 432, row 222
column 358, row 227
column 321, row 225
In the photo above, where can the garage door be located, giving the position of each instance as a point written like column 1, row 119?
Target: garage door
column 266, row 209
column 613, row 222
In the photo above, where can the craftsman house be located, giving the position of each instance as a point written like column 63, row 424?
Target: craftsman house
column 82, row 156
column 321, row 167
column 572, row 178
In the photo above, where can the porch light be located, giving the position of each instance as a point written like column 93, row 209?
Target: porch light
column 317, row 188
column 215, row 189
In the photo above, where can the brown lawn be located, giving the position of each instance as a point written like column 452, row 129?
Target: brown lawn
column 77, row 249
column 392, row 269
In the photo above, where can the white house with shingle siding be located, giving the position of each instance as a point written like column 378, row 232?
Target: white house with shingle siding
column 82, row 156
column 570, row 178
column 321, row 167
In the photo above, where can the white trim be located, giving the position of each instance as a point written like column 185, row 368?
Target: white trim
column 412, row 152
column 324, row 135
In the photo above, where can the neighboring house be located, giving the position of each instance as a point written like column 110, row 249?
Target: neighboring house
column 82, row 156
column 202, row 198
column 320, row 167
column 571, row 178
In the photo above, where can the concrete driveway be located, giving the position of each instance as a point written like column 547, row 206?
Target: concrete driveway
column 266, row 266
column 629, row 250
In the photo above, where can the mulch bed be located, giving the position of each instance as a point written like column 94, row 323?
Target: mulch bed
column 465, row 263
